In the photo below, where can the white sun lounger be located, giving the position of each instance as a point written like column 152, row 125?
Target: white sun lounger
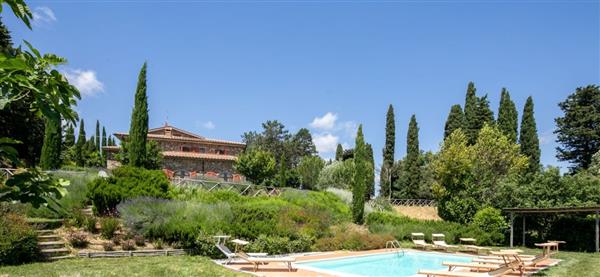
column 230, row 255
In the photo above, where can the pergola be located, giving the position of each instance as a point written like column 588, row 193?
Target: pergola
column 526, row 211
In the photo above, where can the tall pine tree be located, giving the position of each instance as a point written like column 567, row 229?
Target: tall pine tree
column 529, row 141
column 339, row 152
column 138, row 132
column 388, row 152
column 507, row 116
column 456, row 120
column 359, row 180
column 412, row 162
column 50, row 158
column 6, row 45
column 370, row 191
column 104, row 138
column 484, row 113
column 69, row 139
column 80, row 145
column 578, row 130
column 472, row 127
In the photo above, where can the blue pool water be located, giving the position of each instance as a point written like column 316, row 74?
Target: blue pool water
column 389, row 264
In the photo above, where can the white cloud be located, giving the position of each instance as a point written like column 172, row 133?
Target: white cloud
column 326, row 122
column 208, row 125
column 43, row 15
column 325, row 143
column 350, row 127
column 85, row 81
column 547, row 137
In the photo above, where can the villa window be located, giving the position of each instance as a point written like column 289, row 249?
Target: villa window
column 220, row 151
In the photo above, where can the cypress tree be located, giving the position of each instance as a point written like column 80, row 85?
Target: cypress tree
column 79, row 146
column 530, row 144
column 471, row 128
column 359, row 180
column 138, row 132
column 508, row 116
column 98, row 138
column 50, row 158
column 484, row 113
column 412, row 166
column 69, row 136
column 339, row 152
column 6, row 45
column 104, row 138
column 370, row 191
column 456, row 120
column 91, row 145
column 388, row 151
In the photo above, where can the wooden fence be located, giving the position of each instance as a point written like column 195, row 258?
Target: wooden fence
column 136, row 253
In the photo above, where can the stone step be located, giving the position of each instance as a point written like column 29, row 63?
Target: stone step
column 57, row 258
column 51, row 244
column 55, row 252
column 44, row 238
column 44, row 232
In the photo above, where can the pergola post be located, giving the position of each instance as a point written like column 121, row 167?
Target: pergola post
column 512, row 227
column 597, row 231
column 523, row 230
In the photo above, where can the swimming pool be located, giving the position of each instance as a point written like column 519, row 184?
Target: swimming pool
column 380, row 265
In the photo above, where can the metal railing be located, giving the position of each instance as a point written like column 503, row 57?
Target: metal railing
column 394, row 245
column 247, row 189
column 413, row 202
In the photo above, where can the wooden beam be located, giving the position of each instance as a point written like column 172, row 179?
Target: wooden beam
column 597, row 231
column 523, row 230
column 553, row 210
column 512, row 227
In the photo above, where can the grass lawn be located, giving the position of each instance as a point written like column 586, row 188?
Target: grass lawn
column 135, row 266
column 574, row 264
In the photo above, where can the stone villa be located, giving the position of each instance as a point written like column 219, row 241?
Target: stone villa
column 188, row 154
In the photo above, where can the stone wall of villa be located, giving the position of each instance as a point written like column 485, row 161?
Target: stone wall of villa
column 200, row 166
column 200, row 148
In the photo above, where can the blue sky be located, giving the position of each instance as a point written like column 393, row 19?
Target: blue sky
column 221, row 68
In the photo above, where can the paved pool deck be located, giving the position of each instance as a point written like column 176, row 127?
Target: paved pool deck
column 280, row 269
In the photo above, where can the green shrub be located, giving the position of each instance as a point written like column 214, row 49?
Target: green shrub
column 259, row 217
column 158, row 244
column 90, row 224
column 210, row 197
column 139, row 240
column 279, row 245
column 173, row 220
column 108, row 246
column 491, row 221
column 127, row 182
column 401, row 228
column 78, row 218
column 326, row 201
column 18, row 241
column 77, row 239
column 108, row 227
column 350, row 237
column 128, row 245
column 70, row 204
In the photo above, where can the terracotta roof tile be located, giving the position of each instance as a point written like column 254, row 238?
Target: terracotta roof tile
column 119, row 135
